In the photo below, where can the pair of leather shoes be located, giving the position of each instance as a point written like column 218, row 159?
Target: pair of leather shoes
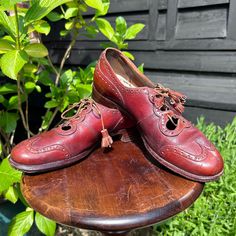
column 123, row 98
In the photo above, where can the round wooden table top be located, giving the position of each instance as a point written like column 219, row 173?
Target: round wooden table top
column 117, row 190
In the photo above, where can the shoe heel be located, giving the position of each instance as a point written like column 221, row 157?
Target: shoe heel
column 99, row 98
column 126, row 135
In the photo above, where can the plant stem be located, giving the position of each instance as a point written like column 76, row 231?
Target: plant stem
column 52, row 66
column 17, row 28
column 68, row 50
column 52, row 117
column 25, row 124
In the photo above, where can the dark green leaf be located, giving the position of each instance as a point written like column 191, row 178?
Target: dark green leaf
column 8, row 121
column 8, row 88
column 54, row 16
column 8, row 175
column 21, row 223
column 1, row 99
column 44, row 78
column 51, row 104
column 36, row 50
column 12, row 62
column 133, row 30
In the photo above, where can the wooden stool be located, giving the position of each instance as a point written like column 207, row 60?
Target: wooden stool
column 111, row 192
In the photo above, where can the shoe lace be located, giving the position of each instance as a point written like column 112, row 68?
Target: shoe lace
column 81, row 106
column 176, row 99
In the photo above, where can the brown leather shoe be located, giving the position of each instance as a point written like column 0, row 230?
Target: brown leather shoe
column 167, row 135
column 72, row 140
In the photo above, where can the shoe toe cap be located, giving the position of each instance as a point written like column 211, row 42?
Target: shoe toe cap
column 197, row 158
column 35, row 151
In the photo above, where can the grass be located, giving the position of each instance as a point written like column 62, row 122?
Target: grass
column 214, row 213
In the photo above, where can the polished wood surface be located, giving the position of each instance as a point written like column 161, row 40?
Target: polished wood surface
column 118, row 190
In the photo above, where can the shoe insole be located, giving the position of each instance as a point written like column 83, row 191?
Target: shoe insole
column 124, row 81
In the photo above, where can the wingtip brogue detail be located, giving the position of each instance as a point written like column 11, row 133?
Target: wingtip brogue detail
column 72, row 140
column 157, row 111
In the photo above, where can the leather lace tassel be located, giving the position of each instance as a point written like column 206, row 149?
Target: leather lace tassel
column 106, row 139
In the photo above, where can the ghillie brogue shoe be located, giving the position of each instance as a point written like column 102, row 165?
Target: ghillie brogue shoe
column 71, row 141
column 167, row 135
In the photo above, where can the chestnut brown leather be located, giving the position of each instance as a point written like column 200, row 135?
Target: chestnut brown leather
column 167, row 135
column 72, row 140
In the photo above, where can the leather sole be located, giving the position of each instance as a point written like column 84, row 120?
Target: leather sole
column 100, row 98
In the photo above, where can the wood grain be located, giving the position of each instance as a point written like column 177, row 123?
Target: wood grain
column 118, row 190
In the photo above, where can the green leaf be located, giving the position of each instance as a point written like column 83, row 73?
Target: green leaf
column 54, row 16
column 63, row 33
column 5, row 46
column 30, row 85
column 121, row 25
column 128, row 54
column 11, row 194
column 9, row 4
column 141, row 68
column 13, row 102
column 42, row 27
column 71, row 12
column 106, row 5
column 12, row 62
column 30, row 68
column 41, row 8
column 46, row 120
column 44, row 78
column 6, row 23
column 8, row 121
column 84, row 90
column 133, row 30
column 8, row 175
column 21, row 223
column 36, row 50
column 1, row 101
column 51, row 104
column 69, row 25
column 96, row 4
column 66, row 78
column 8, row 88
column 45, row 225
column 105, row 28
